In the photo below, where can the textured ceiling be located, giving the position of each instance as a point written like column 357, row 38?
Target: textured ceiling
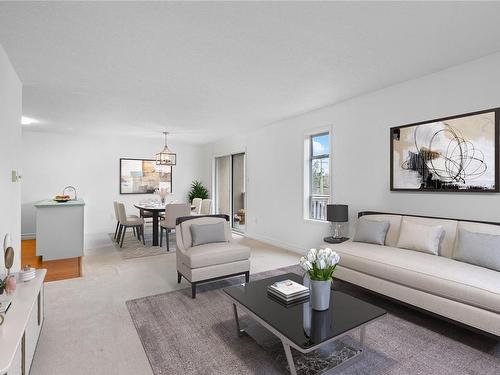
column 205, row 70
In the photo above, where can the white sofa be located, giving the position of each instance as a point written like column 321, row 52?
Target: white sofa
column 211, row 261
column 460, row 291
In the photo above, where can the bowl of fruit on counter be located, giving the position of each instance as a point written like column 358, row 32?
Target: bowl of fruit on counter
column 62, row 198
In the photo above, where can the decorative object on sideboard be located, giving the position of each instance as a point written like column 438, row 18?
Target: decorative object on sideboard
column 27, row 273
column 166, row 156
column 319, row 266
column 337, row 214
column 453, row 154
column 8, row 284
column 143, row 176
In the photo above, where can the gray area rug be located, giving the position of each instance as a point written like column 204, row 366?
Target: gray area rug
column 185, row 336
column 133, row 248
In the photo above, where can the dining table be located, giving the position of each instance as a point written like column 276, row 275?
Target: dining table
column 155, row 209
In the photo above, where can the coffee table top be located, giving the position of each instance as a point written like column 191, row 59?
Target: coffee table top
column 303, row 326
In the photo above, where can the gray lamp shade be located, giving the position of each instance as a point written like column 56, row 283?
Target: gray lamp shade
column 337, row 213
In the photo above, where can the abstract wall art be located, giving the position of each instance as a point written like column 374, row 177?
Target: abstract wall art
column 143, row 176
column 453, row 154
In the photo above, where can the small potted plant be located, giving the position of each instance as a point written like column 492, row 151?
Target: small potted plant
column 320, row 265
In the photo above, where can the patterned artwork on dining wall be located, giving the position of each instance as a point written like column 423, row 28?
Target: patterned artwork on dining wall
column 143, row 176
column 453, row 154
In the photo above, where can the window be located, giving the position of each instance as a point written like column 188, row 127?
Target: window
column 319, row 175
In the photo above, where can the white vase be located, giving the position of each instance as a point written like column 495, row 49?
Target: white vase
column 320, row 294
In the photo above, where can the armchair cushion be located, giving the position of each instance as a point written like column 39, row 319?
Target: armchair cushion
column 208, row 233
column 215, row 253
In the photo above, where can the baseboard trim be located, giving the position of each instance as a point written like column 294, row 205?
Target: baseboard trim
column 278, row 243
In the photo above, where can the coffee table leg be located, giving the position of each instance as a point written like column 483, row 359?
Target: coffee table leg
column 289, row 358
column 239, row 331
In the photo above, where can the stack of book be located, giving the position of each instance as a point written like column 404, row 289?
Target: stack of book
column 288, row 292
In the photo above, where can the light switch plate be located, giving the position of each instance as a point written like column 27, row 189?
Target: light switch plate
column 14, row 176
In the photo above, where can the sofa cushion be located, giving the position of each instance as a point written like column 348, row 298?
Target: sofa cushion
column 208, row 233
column 371, row 231
column 215, row 253
column 462, row 282
column 393, row 233
column 420, row 237
column 450, row 230
column 481, row 249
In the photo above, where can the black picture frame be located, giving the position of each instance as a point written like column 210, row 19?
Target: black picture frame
column 146, row 192
column 394, row 132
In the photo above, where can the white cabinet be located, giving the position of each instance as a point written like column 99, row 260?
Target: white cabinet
column 59, row 229
column 22, row 326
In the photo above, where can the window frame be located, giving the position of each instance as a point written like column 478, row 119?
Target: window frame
column 311, row 158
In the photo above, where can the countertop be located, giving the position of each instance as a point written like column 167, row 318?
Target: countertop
column 53, row 203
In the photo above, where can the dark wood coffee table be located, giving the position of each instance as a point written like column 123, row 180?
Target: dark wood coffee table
column 299, row 326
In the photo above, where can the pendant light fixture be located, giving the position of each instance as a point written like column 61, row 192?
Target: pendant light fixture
column 166, row 156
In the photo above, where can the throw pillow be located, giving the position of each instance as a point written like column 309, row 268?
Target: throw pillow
column 420, row 237
column 208, row 233
column 480, row 249
column 371, row 231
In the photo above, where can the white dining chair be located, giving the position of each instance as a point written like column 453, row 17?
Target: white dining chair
column 136, row 223
column 197, row 206
column 172, row 212
column 206, row 207
column 115, row 206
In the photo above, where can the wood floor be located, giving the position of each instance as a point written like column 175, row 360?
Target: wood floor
column 56, row 269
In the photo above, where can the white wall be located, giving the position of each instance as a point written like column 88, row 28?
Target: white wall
column 360, row 166
column 91, row 164
column 10, row 141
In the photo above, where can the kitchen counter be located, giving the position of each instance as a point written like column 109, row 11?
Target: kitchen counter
column 53, row 203
column 59, row 229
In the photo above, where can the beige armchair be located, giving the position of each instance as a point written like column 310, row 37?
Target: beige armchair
column 210, row 261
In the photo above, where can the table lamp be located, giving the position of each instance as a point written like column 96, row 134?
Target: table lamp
column 337, row 214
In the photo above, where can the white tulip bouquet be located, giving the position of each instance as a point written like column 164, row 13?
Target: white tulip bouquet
column 320, row 264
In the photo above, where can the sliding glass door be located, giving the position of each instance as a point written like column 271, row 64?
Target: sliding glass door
column 238, row 191
column 230, row 189
column 223, row 185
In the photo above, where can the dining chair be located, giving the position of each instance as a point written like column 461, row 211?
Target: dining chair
column 172, row 212
column 197, row 206
column 137, row 223
column 206, row 207
column 115, row 206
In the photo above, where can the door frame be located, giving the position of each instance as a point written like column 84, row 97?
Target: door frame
column 214, row 184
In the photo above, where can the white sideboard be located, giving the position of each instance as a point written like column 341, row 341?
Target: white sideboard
column 22, row 326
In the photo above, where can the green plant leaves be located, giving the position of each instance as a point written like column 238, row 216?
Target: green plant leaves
column 198, row 190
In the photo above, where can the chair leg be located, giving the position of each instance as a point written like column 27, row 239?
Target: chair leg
column 123, row 236
column 168, row 239
column 247, row 276
column 161, row 236
column 133, row 230
column 116, row 230
column 179, row 277
column 142, row 234
column 193, row 290
column 119, row 234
